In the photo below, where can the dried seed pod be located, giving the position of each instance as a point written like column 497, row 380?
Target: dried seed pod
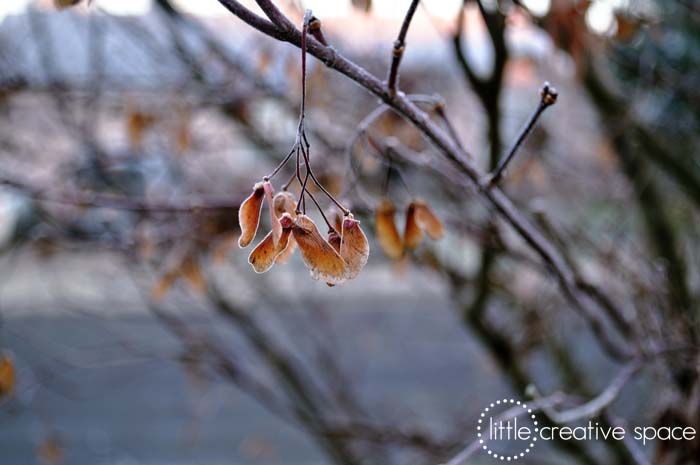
column 412, row 234
column 354, row 247
column 274, row 220
column 427, row 220
column 284, row 256
column 334, row 240
column 336, row 218
column 387, row 233
column 263, row 255
column 284, row 241
column 284, row 202
column 287, row 244
column 249, row 215
column 320, row 257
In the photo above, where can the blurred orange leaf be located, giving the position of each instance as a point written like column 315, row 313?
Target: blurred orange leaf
column 50, row 451
column 7, row 375
column 137, row 123
column 61, row 4
column 188, row 269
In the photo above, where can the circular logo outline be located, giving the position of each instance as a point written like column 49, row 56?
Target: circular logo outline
column 498, row 456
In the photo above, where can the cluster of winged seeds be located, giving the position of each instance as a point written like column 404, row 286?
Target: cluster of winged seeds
column 419, row 218
column 335, row 259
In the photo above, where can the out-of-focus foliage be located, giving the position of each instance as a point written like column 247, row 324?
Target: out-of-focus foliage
column 657, row 60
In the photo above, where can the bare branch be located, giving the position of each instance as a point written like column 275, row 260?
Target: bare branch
column 595, row 406
column 276, row 16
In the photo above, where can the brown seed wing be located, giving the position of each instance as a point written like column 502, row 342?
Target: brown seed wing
column 337, row 219
column 274, row 219
column 284, row 256
column 284, row 241
column 427, row 220
column 412, row 234
column 354, row 247
column 323, row 261
column 387, row 233
column 334, row 240
column 263, row 255
column 249, row 215
column 284, row 202
column 287, row 245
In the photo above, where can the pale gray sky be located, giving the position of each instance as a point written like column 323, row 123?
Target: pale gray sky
column 599, row 17
column 325, row 8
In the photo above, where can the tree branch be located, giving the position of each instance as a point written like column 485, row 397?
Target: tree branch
column 462, row 162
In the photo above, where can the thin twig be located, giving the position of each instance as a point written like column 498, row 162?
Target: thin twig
column 548, row 97
column 595, row 406
column 399, row 47
column 440, row 111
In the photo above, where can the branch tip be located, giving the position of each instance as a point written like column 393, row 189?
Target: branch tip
column 548, row 94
